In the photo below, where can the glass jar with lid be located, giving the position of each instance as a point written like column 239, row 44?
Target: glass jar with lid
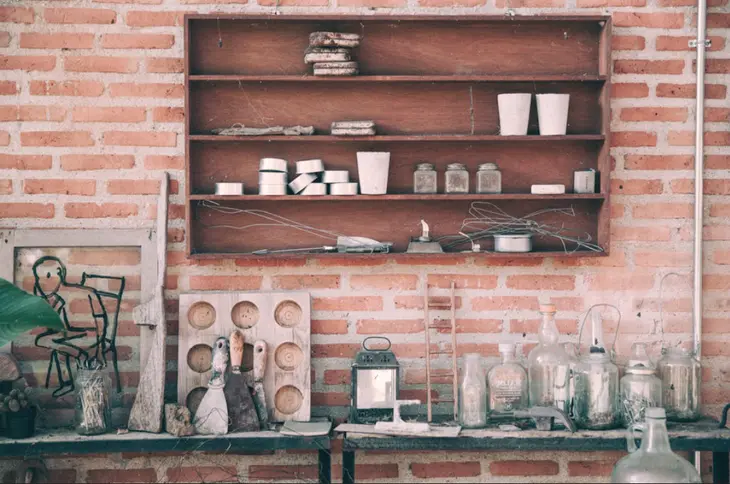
column 489, row 178
column 457, row 178
column 424, row 178
column 639, row 387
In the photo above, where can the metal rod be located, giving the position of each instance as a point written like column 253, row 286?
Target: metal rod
column 426, row 324
column 455, row 376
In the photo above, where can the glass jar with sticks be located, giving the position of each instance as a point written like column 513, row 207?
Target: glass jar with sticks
column 93, row 410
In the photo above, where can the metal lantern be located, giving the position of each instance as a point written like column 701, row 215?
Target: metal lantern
column 374, row 384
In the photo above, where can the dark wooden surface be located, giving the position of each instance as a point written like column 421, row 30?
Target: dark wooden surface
column 702, row 436
column 429, row 82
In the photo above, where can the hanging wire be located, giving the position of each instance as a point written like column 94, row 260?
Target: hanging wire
column 615, row 335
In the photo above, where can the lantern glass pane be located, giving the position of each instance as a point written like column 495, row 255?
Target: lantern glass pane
column 376, row 388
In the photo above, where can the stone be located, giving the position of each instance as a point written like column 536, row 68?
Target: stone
column 178, row 420
column 336, row 69
column 9, row 369
column 334, row 39
column 319, row 54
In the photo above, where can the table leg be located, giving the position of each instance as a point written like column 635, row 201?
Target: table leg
column 720, row 468
column 348, row 467
column 325, row 466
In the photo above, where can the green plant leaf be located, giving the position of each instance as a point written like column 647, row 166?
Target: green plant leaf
column 21, row 312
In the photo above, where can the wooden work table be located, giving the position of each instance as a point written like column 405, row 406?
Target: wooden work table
column 703, row 435
column 63, row 441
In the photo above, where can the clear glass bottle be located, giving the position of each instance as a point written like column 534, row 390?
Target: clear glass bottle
column 680, row 373
column 572, row 352
column 489, row 178
column 549, row 366
column 654, row 461
column 424, row 178
column 457, row 178
column 93, row 412
column 596, row 381
column 472, row 393
column 507, row 383
column 639, row 387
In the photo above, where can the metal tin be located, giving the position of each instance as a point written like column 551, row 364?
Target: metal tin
column 336, row 176
column 272, row 164
column 315, row 189
column 457, row 178
column 513, row 243
column 343, row 189
column 310, row 166
column 272, row 189
column 489, row 178
column 272, row 178
column 300, row 183
column 229, row 188
column 584, row 181
column 424, row 178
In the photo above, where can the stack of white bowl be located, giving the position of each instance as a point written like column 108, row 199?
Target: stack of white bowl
column 305, row 183
column 338, row 182
column 272, row 176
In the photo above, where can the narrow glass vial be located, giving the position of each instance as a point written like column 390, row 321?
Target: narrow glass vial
column 507, row 383
column 472, row 393
column 489, row 178
column 424, row 178
column 457, row 178
column 549, row 366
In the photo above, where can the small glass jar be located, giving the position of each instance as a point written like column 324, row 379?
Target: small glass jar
column 489, row 178
column 457, row 178
column 640, row 388
column 93, row 404
column 473, row 393
column 424, row 178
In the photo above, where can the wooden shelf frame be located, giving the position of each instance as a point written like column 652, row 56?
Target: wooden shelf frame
column 250, row 88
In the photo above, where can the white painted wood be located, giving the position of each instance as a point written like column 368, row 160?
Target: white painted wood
column 547, row 189
column 7, row 267
column 265, row 329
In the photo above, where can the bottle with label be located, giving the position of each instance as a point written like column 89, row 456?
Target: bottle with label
column 507, row 383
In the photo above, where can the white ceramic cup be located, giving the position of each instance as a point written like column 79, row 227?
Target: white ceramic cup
column 514, row 113
column 552, row 113
column 372, row 169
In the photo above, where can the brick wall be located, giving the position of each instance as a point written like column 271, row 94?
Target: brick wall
column 91, row 109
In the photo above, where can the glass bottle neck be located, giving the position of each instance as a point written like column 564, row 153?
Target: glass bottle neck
column 508, row 357
column 472, row 365
column 548, row 332
column 656, row 438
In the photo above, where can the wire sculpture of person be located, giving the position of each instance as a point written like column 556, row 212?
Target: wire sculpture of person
column 50, row 283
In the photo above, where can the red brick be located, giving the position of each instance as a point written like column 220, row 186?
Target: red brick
column 658, row 258
column 148, row 18
column 105, row 257
column 687, row 138
column 331, row 399
column 392, row 326
column 164, row 65
column 100, row 210
column 4, row 138
column 425, row 260
column 654, row 114
column 32, row 113
column 56, row 138
column 633, row 138
column 686, row 91
column 534, row 282
column 418, row 376
column 629, row 90
column 96, row 162
column 80, row 16
column 100, row 64
column 372, row 4
column 121, row 475
column 718, row 20
column 4, row 39
column 6, row 187
column 27, row 62
column 446, row 469
column 716, row 348
column 385, row 282
column 715, row 282
column 677, row 43
column 133, row 187
column 289, row 473
column 140, row 138
column 640, row 66
column 8, row 88
column 349, row 261
column 128, row 89
column 504, row 303
column 716, row 66
column 590, row 468
column 164, row 162
column 342, row 350
column 720, row 210
column 337, row 377
column 63, row 40
column 658, row 162
column 688, row 3
column 721, row 257
column 348, row 303
column 636, row 187
column 270, row 3
column 304, row 281
column 203, row 474
column 621, row 42
column 25, row 162
column 658, row 20
column 26, row 210
column 329, row 326
column 616, row 281
column 66, row 88
column 663, row 210
column 530, row 326
column 717, row 115
column 61, row 187
column 168, row 115
column 530, row 3
column 717, row 162
column 229, row 283
column 111, row 114
column 137, row 41
column 17, row 15
column 524, row 468
column 461, row 281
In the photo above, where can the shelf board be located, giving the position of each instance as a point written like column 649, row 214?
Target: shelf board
column 401, row 78
column 400, row 197
column 401, row 255
column 398, row 138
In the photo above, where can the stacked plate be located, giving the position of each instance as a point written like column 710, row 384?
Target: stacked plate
column 330, row 53
column 272, row 176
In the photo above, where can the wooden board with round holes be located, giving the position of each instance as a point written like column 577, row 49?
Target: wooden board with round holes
column 281, row 319
column 200, row 358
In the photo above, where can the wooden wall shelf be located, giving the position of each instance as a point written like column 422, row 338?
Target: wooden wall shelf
column 432, row 99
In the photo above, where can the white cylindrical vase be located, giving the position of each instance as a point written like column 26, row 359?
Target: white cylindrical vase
column 552, row 113
column 514, row 113
column 372, row 169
